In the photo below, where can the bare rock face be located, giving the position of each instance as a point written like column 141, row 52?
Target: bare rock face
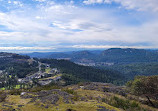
column 104, row 87
column 51, row 96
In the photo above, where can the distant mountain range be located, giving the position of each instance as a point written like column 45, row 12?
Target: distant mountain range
column 113, row 55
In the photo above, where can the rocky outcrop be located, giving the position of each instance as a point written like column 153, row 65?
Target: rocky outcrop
column 104, row 87
column 51, row 96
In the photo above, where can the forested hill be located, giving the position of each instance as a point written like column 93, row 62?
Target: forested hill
column 74, row 73
column 128, row 55
column 130, row 62
column 17, row 65
column 22, row 66
column 134, row 69
column 115, row 55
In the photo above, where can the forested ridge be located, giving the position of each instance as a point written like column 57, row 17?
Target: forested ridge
column 129, row 62
column 115, row 55
column 134, row 69
column 85, row 73
column 18, row 65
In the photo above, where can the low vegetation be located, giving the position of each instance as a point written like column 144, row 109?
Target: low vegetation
column 79, row 97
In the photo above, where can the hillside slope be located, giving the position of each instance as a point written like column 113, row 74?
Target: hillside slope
column 81, row 97
column 18, row 71
column 74, row 73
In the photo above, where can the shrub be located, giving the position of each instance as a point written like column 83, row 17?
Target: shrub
column 122, row 103
column 15, row 92
column 3, row 96
column 70, row 91
column 76, row 98
column 104, row 100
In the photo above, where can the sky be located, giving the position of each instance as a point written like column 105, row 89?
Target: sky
column 69, row 25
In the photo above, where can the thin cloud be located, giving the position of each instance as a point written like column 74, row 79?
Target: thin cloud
column 108, row 46
column 27, row 48
column 140, row 5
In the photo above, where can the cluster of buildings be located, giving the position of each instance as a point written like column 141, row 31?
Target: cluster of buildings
column 95, row 64
column 40, row 75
